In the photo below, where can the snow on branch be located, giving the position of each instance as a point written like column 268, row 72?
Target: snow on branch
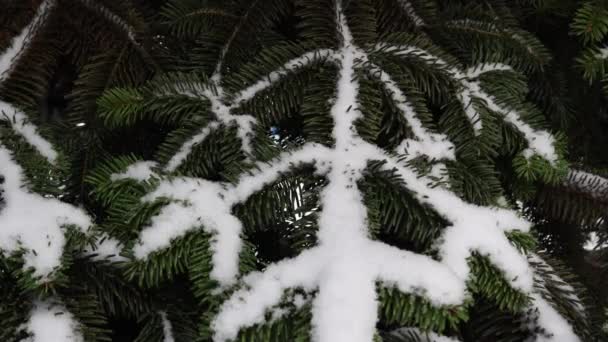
column 555, row 327
column 588, row 183
column 266, row 173
column 52, row 322
column 470, row 230
column 29, row 132
column 542, row 266
column 8, row 59
column 411, row 13
column 221, row 105
column 32, row 222
column 480, row 69
column 346, row 264
column 167, row 328
column 539, row 142
column 603, row 53
column 299, row 62
column 106, row 249
column 185, row 149
column 112, row 17
column 215, row 94
column 21, row 42
column 435, row 146
column 200, row 203
column 140, row 171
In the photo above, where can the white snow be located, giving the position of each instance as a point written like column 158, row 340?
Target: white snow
column 185, row 149
column 344, row 267
column 8, row 58
column 140, row 171
column 594, row 185
column 207, row 205
column 346, row 264
column 567, row 290
column 28, row 131
column 200, row 205
column 217, row 97
column 539, row 142
column 106, row 248
column 167, row 328
column 482, row 68
column 299, row 300
column 52, row 322
column 555, row 325
column 266, row 173
column 33, row 222
column 433, row 145
column 221, row 104
column 603, row 54
column 593, row 242
column 411, row 12
column 20, row 42
column 470, row 230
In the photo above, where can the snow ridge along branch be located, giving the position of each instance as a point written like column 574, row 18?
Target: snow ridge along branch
column 30, row 221
column 221, row 105
column 346, row 264
column 539, row 142
column 8, row 59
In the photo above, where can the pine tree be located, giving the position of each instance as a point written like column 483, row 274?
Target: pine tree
column 570, row 215
column 289, row 171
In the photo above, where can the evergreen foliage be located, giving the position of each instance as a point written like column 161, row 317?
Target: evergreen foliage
column 203, row 139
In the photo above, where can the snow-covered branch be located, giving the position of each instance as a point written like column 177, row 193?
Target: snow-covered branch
column 29, row 132
column 411, row 13
column 268, row 80
column 421, row 336
column 265, row 290
column 346, row 264
column 265, row 173
column 186, row 148
column 548, row 317
column 8, row 59
column 472, row 228
column 52, row 322
column 587, row 183
column 539, row 142
column 435, row 146
column 222, row 104
column 21, row 42
column 112, row 17
column 603, row 53
column 556, row 328
column 200, row 203
column 140, row 171
column 480, row 69
column 167, row 328
column 32, row 222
